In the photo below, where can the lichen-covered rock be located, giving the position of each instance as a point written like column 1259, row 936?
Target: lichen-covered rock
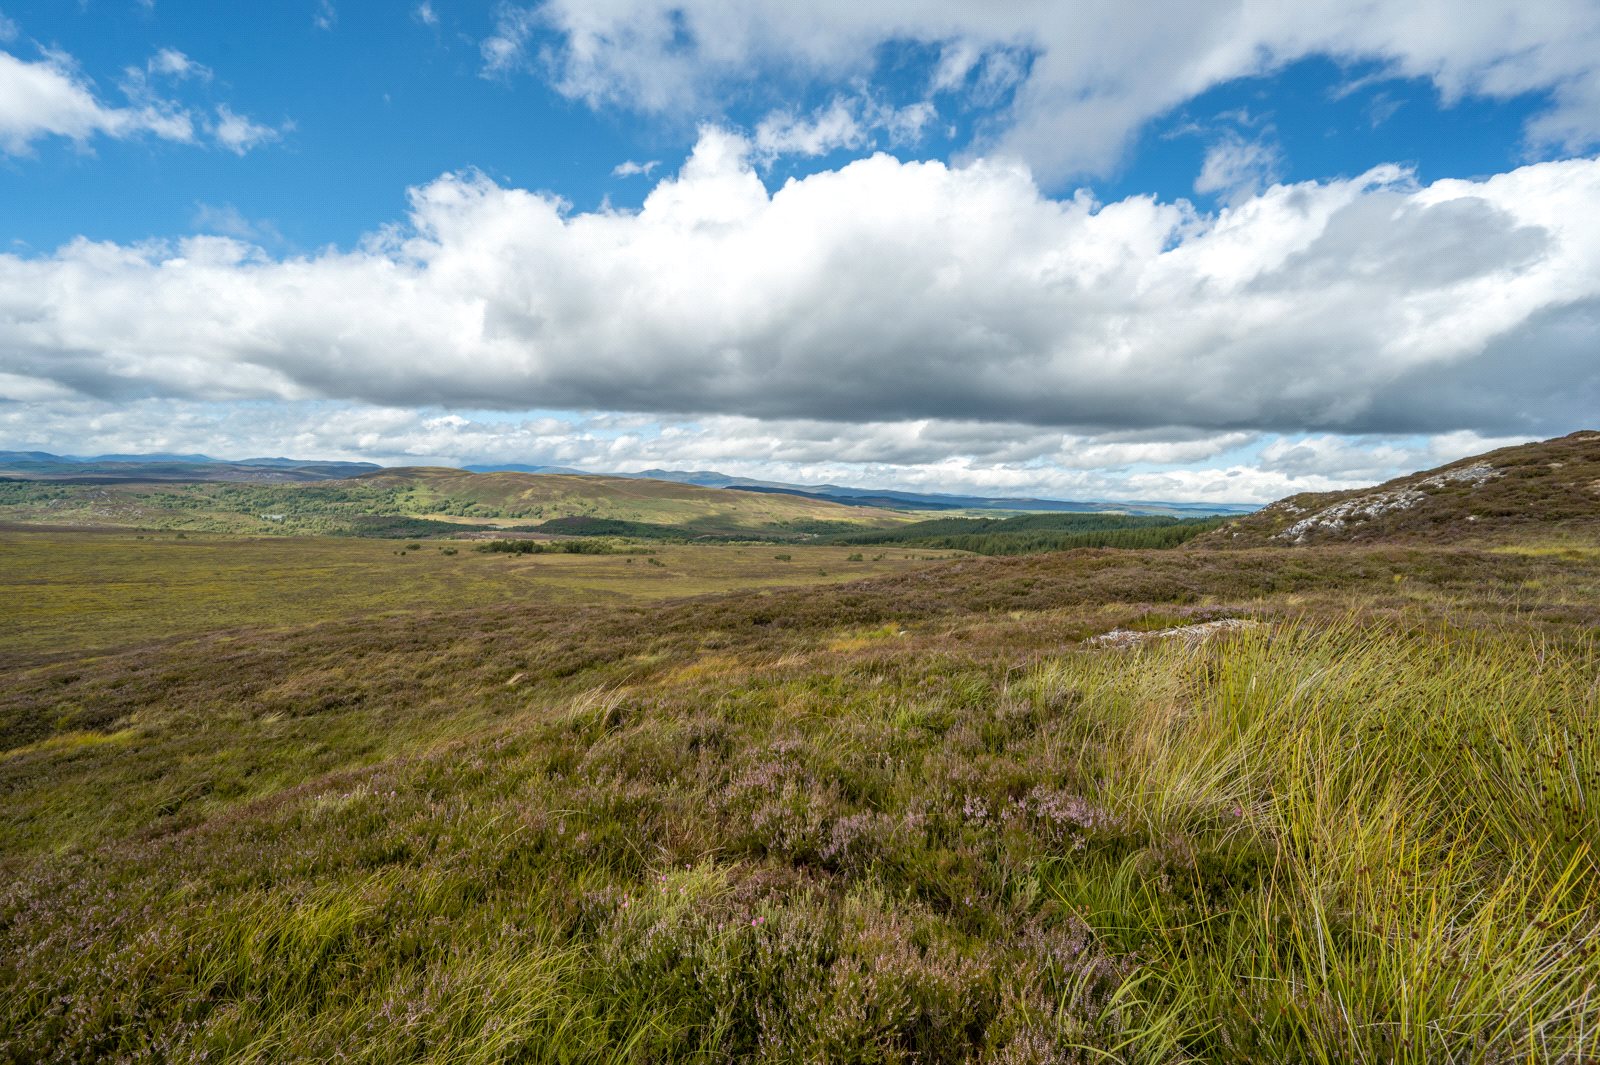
column 1191, row 635
column 1339, row 516
column 1362, row 508
column 1477, row 473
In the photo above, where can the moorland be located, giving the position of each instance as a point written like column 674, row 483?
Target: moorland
column 1314, row 784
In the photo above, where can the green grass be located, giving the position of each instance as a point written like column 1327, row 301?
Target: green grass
column 1410, row 872
column 76, row 593
column 912, row 819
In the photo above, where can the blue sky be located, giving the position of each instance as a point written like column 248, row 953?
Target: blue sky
column 1198, row 260
column 381, row 100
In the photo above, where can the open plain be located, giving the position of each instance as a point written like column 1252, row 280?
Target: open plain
column 1321, row 802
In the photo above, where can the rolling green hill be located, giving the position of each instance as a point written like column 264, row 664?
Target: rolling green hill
column 427, row 501
column 450, row 493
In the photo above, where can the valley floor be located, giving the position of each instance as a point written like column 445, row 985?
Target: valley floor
column 919, row 817
column 86, row 591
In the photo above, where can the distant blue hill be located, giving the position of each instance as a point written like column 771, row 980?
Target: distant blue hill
column 159, row 456
column 518, row 467
column 43, row 466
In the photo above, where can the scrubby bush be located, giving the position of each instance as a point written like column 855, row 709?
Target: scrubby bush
column 560, row 547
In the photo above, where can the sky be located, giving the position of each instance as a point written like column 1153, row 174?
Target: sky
column 1219, row 251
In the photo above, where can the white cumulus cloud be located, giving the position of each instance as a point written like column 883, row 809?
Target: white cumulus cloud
column 51, row 97
column 882, row 291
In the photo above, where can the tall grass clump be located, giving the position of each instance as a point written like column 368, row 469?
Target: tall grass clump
column 1360, row 846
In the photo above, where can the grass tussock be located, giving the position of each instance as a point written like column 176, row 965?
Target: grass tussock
column 1414, row 824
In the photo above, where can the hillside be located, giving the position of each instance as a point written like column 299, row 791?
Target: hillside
column 1544, row 490
column 425, row 501
column 450, row 493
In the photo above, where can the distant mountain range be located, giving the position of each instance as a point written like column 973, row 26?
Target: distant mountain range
column 43, row 466
column 518, row 467
column 79, row 469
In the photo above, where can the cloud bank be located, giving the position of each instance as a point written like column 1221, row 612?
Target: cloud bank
column 925, row 455
column 880, row 291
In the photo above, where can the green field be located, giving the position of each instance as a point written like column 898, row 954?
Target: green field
column 311, row 800
column 71, row 593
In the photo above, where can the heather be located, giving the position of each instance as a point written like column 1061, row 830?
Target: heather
column 921, row 817
column 1028, row 533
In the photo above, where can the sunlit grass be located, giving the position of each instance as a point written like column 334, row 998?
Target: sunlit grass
column 79, row 592
column 907, row 821
column 1419, row 833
